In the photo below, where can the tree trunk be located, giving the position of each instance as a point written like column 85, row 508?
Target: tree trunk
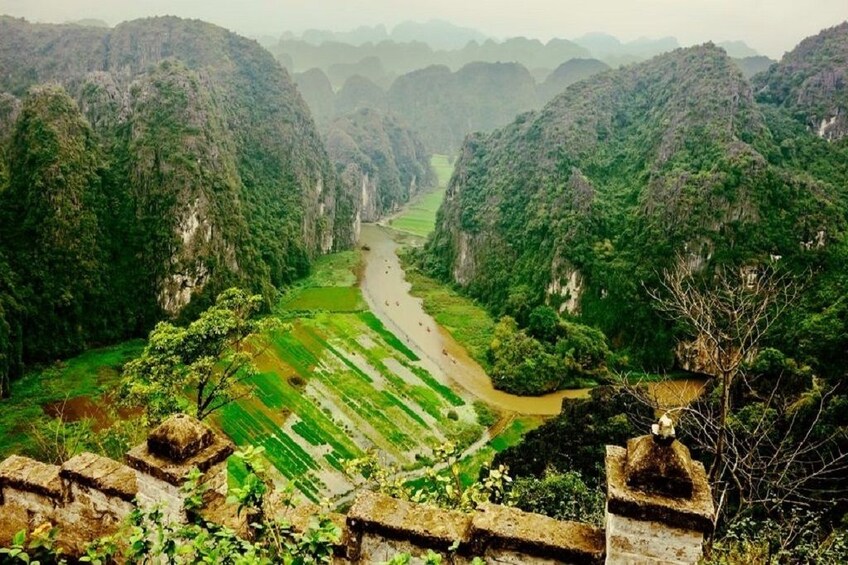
column 722, row 426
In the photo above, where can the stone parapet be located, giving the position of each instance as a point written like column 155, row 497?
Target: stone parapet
column 659, row 501
column 177, row 446
column 380, row 526
column 102, row 474
column 496, row 529
column 28, row 475
column 659, row 506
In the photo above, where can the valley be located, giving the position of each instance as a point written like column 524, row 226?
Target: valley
column 260, row 294
column 361, row 368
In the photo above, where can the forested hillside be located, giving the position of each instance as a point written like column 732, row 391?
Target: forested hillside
column 583, row 204
column 167, row 160
column 380, row 159
column 398, row 57
column 811, row 83
column 444, row 106
column 568, row 73
column 594, row 204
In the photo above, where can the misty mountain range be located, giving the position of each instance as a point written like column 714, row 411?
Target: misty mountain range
column 445, row 43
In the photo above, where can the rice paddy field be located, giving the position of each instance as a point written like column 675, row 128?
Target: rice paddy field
column 337, row 384
column 419, row 217
column 332, row 386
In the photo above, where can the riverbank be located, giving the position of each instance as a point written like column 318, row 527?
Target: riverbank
column 387, row 293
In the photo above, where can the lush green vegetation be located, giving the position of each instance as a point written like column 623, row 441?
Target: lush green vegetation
column 337, row 384
column 419, row 217
column 591, row 202
column 471, row 325
column 113, row 215
column 375, row 154
column 81, row 387
column 324, row 390
column 631, row 177
column 551, row 355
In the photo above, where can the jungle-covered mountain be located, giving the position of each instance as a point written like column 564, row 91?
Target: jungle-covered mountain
column 811, row 82
column 439, row 34
column 143, row 169
column 751, row 66
column 317, row 92
column 359, row 92
column 567, row 74
column 444, row 106
column 380, row 159
column 398, row 57
column 584, row 203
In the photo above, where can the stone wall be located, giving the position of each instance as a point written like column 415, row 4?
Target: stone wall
column 90, row 496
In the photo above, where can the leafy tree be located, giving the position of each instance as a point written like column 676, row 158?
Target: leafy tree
column 11, row 340
column 544, row 324
column 212, row 357
column 569, row 355
column 520, row 363
column 441, row 486
column 563, row 496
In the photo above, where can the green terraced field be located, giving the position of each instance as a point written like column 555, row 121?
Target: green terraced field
column 339, row 383
column 419, row 218
column 330, row 298
column 90, row 376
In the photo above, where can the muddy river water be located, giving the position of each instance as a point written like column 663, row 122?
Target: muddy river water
column 387, row 293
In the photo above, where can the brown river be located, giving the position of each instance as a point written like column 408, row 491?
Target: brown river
column 387, row 293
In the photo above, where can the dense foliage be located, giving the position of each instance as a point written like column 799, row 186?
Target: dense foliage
column 144, row 186
column 551, row 354
column 376, row 155
column 211, row 359
column 600, row 190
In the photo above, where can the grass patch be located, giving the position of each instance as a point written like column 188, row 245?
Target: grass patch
column 469, row 324
column 329, row 298
column 445, row 391
column 419, row 218
column 335, row 269
column 93, row 374
column 377, row 326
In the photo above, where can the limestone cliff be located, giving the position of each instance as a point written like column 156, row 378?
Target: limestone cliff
column 382, row 162
column 812, row 82
column 210, row 166
column 583, row 204
column 231, row 114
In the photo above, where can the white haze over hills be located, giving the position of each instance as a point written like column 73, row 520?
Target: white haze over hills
column 768, row 26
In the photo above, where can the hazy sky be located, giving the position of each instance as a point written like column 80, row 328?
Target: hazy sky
column 770, row 26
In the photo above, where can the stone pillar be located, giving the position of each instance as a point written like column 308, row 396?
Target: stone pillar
column 171, row 451
column 659, row 504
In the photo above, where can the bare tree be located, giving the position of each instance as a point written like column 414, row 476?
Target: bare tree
column 776, row 452
column 728, row 315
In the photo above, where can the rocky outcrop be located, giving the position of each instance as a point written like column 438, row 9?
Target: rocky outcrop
column 811, row 81
column 382, row 162
column 213, row 169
